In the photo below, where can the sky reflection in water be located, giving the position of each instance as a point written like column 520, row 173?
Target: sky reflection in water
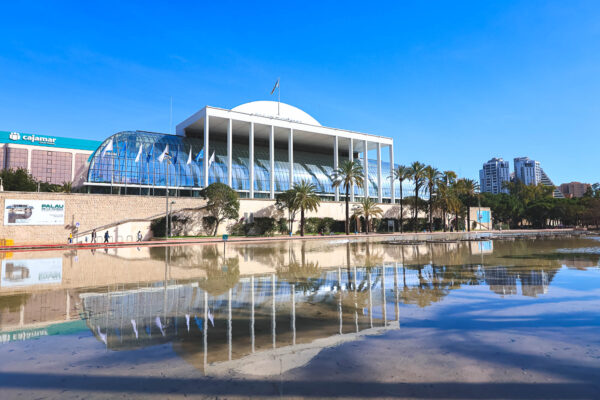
column 235, row 307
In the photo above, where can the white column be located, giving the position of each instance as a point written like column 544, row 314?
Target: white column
column 272, row 162
column 393, row 193
column 336, row 164
column 229, row 153
column 29, row 161
column 366, row 168
column 251, row 160
column 291, row 156
column 351, row 158
column 72, row 166
column 379, row 191
column 206, row 150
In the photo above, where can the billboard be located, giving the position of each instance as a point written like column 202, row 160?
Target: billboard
column 38, row 271
column 34, row 212
column 483, row 217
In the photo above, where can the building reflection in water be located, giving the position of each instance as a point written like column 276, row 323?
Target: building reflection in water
column 221, row 304
column 256, row 314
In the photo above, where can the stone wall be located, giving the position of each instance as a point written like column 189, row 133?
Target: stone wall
column 91, row 211
column 123, row 215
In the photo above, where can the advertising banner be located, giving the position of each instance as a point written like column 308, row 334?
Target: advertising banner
column 38, row 271
column 34, row 212
column 483, row 217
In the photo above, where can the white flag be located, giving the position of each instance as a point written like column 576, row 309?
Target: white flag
column 134, row 328
column 211, row 159
column 211, row 318
column 160, row 326
column 102, row 335
column 163, row 154
column 109, row 147
column 139, row 154
column 189, row 161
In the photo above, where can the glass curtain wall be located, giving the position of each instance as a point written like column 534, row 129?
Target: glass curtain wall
column 134, row 160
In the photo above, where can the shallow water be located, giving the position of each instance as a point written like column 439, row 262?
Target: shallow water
column 340, row 318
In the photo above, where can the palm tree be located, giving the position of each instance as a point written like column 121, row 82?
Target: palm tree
column 368, row 208
column 306, row 199
column 401, row 173
column 348, row 174
column 469, row 188
column 431, row 177
column 416, row 175
column 447, row 180
column 287, row 201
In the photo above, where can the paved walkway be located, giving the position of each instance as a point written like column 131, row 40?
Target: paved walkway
column 420, row 236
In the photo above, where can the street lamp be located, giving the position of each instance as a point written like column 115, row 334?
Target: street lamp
column 170, row 220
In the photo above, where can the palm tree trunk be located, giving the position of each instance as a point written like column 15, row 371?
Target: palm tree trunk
column 415, row 209
column 301, row 221
column 347, row 213
column 401, row 211
column 469, row 216
column 430, row 211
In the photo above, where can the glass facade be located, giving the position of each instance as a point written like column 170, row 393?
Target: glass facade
column 134, row 160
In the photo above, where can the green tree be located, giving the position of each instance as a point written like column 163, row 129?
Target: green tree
column 444, row 188
column 431, row 177
column 287, row 201
column 18, row 180
column 223, row 203
column 417, row 176
column 306, row 199
column 349, row 174
column 368, row 209
column 469, row 188
column 401, row 173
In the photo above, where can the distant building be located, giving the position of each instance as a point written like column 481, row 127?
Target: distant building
column 493, row 175
column 574, row 189
column 50, row 159
column 529, row 172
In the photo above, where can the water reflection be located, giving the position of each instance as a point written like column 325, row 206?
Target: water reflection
column 220, row 303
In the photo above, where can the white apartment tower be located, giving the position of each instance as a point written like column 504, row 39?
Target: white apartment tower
column 493, row 175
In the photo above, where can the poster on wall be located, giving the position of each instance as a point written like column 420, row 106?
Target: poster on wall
column 483, row 217
column 38, row 271
column 34, row 212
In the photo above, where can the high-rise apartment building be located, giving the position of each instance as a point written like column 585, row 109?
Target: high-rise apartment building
column 493, row 175
column 528, row 171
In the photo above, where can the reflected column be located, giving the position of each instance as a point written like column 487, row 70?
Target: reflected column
column 370, row 300
column 229, row 327
column 340, row 297
column 293, row 314
column 383, row 303
column 396, row 305
column 205, row 331
column 273, row 321
column 355, row 301
column 252, row 313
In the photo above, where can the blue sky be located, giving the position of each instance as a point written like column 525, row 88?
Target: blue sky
column 455, row 83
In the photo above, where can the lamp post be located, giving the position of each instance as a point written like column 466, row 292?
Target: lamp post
column 170, row 213
column 168, row 158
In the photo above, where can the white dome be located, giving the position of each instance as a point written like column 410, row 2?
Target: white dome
column 269, row 109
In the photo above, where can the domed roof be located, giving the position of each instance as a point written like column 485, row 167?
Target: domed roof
column 269, row 109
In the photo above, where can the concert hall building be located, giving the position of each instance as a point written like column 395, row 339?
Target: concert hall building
column 259, row 149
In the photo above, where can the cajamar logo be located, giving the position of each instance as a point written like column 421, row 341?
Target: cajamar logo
column 14, row 136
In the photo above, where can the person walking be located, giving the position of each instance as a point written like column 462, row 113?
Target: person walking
column 93, row 236
column 139, row 236
column 106, row 237
column 71, row 238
